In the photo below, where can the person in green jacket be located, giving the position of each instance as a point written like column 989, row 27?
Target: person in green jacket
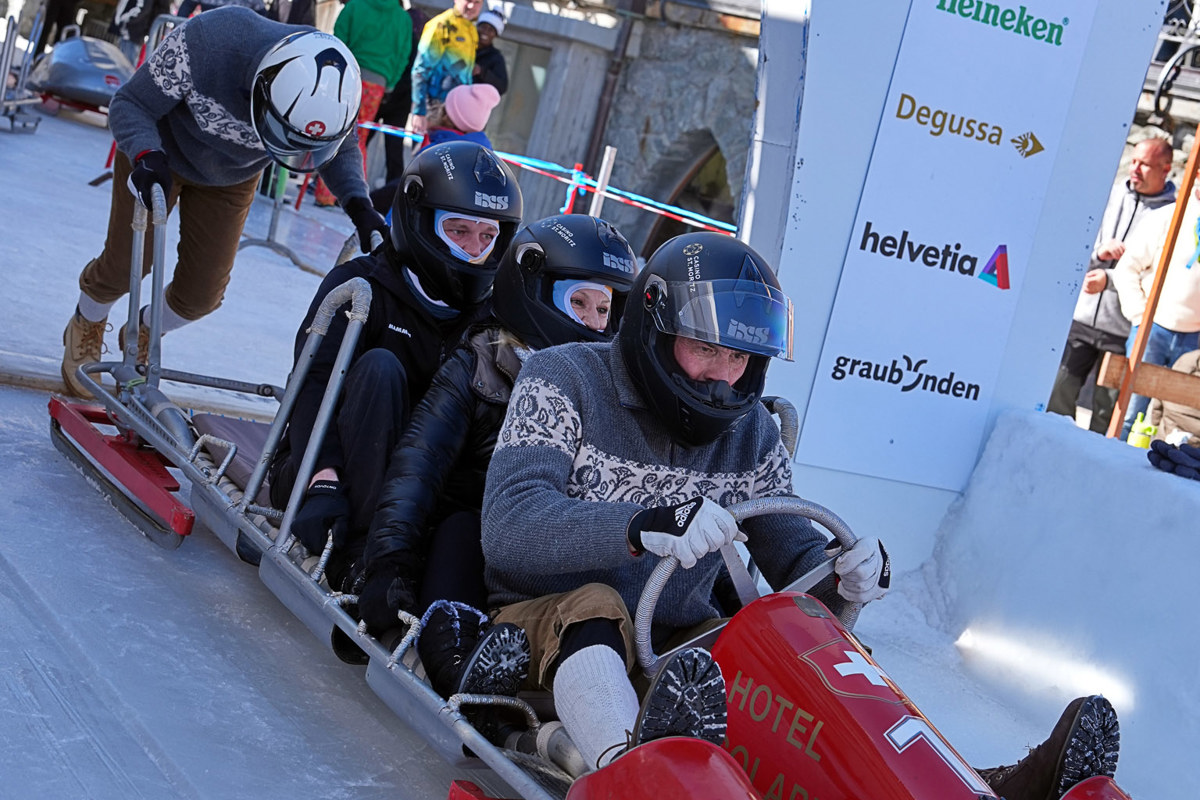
column 379, row 34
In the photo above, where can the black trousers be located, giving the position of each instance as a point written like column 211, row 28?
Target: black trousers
column 370, row 419
column 1084, row 349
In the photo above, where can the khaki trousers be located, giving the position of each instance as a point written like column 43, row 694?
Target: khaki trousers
column 210, row 226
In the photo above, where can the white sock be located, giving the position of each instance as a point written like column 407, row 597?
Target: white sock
column 170, row 320
column 91, row 310
column 595, row 702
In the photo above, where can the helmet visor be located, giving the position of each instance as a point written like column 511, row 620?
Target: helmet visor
column 743, row 315
column 299, row 151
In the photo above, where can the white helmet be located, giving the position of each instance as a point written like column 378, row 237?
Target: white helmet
column 305, row 99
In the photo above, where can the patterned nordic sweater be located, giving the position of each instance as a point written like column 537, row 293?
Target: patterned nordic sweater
column 191, row 99
column 579, row 455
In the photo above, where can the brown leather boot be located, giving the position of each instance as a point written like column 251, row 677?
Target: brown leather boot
column 1082, row 745
column 143, row 351
column 83, row 343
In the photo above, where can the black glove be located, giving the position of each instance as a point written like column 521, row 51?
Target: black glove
column 325, row 508
column 366, row 220
column 150, row 168
column 382, row 596
column 1183, row 460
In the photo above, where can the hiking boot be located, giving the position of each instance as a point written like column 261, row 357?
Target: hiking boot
column 83, row 343
column 464, row 654
column 143, row 351
column 686, row 698
column 1082, row 745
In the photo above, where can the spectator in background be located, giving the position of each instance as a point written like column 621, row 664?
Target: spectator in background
column 489, row 62
column 1176, row 323
column 445, row 58
column 294, row 12
column 187, row 7
column 59, row 14
column 379, row 34
column 464, row 115
column 396, row 104
column 1177, row 423
column 1098, row 325
column 131, row 22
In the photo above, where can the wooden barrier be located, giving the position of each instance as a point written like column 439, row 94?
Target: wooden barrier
column 1151, row 380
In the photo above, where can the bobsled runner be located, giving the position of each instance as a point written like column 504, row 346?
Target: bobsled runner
column 811, row 713
column 81, row 72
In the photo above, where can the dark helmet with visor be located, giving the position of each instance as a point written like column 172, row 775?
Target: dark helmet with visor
column 464, row 179
column 546, row 262
column 716, row 289
column 304, row 99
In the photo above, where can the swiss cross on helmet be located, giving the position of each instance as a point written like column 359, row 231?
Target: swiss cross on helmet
column 553, row 256
column 716, row 289
column 305, row 98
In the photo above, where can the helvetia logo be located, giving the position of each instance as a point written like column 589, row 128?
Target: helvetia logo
column 914, row 375
column 949, row 258
column 1014, row 20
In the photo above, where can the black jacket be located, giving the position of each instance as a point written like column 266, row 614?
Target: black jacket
column 492, row 68
column 398, row 321
column 440, row 463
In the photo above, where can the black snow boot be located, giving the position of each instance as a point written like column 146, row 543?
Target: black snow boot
column 686, row 698
column 464, row 654
column 1082, row 745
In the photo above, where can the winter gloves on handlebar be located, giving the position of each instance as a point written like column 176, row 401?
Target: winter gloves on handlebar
column 366, row 221
column 1183, row 460
column 689, row 530
column 391, row 587
column 864, row 571
column 150, row 168
column 325, row 509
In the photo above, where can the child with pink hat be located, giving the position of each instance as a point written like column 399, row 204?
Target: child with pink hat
column 464, row 115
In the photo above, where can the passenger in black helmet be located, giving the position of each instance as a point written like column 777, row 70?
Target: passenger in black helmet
column 614, row 450
column 427, row 290
column 558, row 282
column 223, row 96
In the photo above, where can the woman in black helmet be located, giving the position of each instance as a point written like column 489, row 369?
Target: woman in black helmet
column 458, row 209
column 563, row 279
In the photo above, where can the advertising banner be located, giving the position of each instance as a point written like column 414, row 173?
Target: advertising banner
column 942, row 238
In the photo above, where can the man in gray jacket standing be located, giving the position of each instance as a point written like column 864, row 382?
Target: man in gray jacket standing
column 224, row 95
column 1098, row 326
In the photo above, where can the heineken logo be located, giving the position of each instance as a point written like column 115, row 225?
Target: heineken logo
column 1014, row 20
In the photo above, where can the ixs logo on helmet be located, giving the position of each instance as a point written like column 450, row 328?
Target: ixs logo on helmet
column 948, row 258
column 492, row 201
column 747, row 333
column 912, row 376
column 616, row 262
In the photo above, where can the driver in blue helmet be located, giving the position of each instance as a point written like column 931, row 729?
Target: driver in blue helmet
column 614, row 450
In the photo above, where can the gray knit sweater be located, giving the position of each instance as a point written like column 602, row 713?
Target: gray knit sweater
column 191, row 99
column 579, row 455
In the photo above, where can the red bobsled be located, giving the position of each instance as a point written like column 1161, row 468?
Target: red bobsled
column 811, row 717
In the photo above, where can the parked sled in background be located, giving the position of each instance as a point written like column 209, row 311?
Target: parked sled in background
column 811, row 714
column 81, row 72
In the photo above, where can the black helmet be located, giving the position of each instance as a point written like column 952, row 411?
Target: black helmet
column 465, row 178
column 714, row 288
column 554, row 253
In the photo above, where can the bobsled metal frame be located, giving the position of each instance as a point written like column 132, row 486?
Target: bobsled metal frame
column 150, row 425
column 153, row 434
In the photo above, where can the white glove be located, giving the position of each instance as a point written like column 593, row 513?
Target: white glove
column 865, row 571
column 689, row 531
